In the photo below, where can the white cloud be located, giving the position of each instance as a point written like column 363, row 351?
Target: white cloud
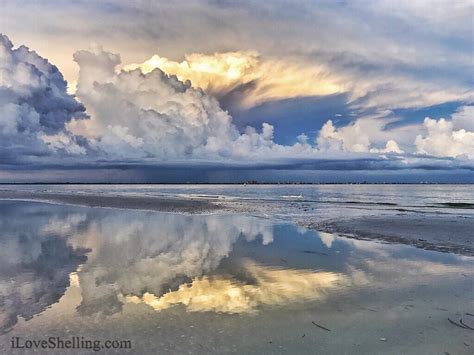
column 390, row 147
column 251, row 79
column 357, row 137
column 441, row 139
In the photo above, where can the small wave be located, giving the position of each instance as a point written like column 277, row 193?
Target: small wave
column 292, row 197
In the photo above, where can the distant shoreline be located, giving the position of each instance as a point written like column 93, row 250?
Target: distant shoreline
column 234, row 183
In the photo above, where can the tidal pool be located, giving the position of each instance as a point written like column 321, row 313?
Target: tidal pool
column 175, row 283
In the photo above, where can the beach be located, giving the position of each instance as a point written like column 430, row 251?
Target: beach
column 197, row 269
column 442, row 226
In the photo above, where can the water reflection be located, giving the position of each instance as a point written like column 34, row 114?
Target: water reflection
column 219, row 263
column 34, row 266
column 270, row 286
column 150, row 252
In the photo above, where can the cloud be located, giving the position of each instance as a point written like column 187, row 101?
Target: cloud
column 390, row 147
column 441, row 139
column 156, row 116
column 436, row 138
column 149, row 115
column 63, row 142
column 261, row 80
column 146, row 116
column 463, row 118
column 356, row 137
column 34, row 105
column 365, row 51
column 248, row 79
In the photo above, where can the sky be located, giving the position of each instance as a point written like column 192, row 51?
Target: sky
column 226, row 91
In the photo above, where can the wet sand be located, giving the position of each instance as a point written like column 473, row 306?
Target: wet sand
column 432, row 232
column 444, row 233
column 149, row 203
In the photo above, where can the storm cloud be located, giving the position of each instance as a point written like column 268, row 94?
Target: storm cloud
column 152, row 114
column 34, row 105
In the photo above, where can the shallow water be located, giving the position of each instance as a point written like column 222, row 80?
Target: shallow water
column 177, row 283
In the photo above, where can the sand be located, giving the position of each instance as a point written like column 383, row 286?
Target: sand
column 150, row 203
column 431, row 232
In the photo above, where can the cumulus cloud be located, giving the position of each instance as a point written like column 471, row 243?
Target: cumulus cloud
column 34, row 105
column 356, row 137
column 390, row 147
column 441, row 139
column 437, row 138
column 153, row 115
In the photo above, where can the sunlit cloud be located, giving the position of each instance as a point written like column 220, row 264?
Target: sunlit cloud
column 259, row 79
column 254, row 79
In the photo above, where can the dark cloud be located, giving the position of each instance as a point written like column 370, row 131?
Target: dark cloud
column 34, row 103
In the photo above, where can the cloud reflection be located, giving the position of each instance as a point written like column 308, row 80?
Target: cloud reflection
column 34, row 268
column 151, row 252
column 226, row 294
